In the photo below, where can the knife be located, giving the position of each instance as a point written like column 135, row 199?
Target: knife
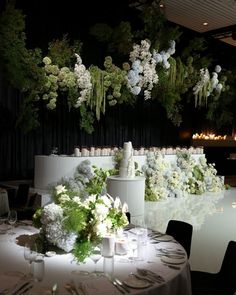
column 122, row 285
column 20, row 288
column 25, row 289
column 118, row 287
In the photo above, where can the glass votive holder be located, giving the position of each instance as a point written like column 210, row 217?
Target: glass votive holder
column 108, row 265
column 108, row 246
column 38, row 268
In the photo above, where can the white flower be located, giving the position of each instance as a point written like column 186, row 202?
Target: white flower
column 51, row 212
column 106, row 200
column 218, row 69
column 100, row 211
column 77, row 200
column 125, row 207
column 117, row 203
column 60, row 189
column 64, row 198
column 83, row 79
column 101, row 229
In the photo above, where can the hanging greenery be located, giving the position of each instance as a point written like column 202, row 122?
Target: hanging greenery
column 148, row 68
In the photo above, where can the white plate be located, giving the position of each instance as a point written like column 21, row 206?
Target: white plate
column 173, row 260
column 165, row 238
column 133, row 282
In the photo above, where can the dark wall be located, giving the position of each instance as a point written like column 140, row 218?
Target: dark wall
column 145, row 124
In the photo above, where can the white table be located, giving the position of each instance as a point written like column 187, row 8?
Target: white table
column 4, row 203
column 49, row 170
column 61, row 268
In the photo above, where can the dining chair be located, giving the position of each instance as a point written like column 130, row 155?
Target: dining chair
column 128, row 216
column 24, row 202
column 220, row 283
column 182, row 233
column 22, row 195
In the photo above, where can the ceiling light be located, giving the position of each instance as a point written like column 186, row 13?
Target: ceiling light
column 205, row 24
column 161, row 5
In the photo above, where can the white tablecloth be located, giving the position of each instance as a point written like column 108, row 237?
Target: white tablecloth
column 4, row 204
column 62, row 268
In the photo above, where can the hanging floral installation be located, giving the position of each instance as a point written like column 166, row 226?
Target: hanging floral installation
column 150, row 70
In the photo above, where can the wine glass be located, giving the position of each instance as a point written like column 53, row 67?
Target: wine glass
column 95, row 256
column 30, row 254
column 12, row 218
column 132, row 244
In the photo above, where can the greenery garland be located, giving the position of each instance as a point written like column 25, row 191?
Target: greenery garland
column 52, row 77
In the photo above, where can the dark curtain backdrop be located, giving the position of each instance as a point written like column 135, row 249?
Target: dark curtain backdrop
column 145, row 124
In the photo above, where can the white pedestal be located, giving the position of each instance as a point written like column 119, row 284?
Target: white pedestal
column 129, row 190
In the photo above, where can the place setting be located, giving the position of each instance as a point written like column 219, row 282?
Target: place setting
column 173, row 258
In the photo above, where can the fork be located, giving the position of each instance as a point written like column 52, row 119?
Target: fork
column 149, row 273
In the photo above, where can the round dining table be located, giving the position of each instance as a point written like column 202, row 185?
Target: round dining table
column 163, row 269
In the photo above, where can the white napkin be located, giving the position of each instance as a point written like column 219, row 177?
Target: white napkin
column 99, row 286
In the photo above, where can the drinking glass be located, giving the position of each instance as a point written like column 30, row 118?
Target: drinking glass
column 12, row 218
column 38, row 268
column 30, row 254
column 96, row 256
column 132, row 244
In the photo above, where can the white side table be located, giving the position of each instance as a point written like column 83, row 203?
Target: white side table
column 129, row 190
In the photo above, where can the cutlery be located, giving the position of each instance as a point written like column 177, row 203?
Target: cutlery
column 71, row 288
column 118, row 286
column 172, row 266
column 115, row 284
column 177, row 252
column 16, row 292
column 142, row 278
column 149, row 273
column 24, row 290
column 170, row 256
column 122, row 285
column 54, row 289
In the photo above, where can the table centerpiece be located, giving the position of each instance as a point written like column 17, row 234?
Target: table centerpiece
column 77, row 225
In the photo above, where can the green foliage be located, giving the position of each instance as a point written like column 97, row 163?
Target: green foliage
column 156, row 29
column 75, row 217
column 86, row 119
column 118, row 39
column 36, row 218
column 27, row 72
column 82, row 249
column 62, row 53
column 97, row 184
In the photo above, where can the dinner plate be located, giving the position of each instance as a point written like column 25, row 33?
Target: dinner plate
column 164, row 238
column 172, row 260
column 133, row 282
